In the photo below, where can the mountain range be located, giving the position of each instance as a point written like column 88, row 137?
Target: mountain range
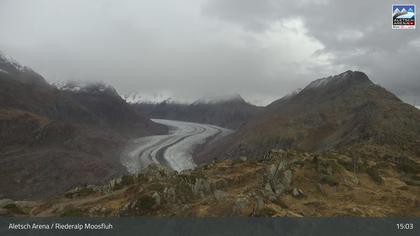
column 341, row 146
column 230, row 111
column 52, row 139
column 346, row 112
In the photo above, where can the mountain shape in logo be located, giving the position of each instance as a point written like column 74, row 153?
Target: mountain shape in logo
column 403, row 13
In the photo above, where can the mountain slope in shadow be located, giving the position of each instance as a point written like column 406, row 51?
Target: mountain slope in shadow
column 52, row 139
column 230, row 112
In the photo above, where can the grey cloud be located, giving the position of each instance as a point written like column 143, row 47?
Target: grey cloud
column 357, row 34
column 262, row 49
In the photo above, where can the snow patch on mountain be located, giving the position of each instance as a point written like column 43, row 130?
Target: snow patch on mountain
column 292, row 94
column 324, row 81
column 220, row 99
column 85, row 87
column 154, row 98
column 3, row 71
column 12, row 62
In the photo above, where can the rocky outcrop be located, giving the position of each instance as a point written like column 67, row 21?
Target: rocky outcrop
column 287, row 183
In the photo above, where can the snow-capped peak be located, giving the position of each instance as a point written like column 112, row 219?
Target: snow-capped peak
column 220, row 99
column 324, row 81
column 155, row 98
column 85, row 87
column 9, row 61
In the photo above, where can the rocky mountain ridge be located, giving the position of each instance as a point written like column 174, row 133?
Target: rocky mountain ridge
column 346, row 112
column 51, row 139
column 226, row 111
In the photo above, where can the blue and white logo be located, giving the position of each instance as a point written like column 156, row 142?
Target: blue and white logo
column 404, row 16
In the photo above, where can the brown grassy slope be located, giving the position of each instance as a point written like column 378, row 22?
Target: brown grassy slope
column 318, row 185
column 348, row 112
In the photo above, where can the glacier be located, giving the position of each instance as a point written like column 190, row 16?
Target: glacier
column 174, row 150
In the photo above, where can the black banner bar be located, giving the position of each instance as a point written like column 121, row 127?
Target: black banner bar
column 340, row 226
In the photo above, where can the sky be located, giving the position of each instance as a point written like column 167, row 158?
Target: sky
column 187, row 49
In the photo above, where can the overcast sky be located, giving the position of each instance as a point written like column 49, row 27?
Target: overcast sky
column 262, row 49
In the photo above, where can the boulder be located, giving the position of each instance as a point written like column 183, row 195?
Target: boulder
column 115, row 183
column 221, row 195
column 201, row 187
column 293, row 214
column 169, row 194
column 26, row 204
column 97, row 209
column 79, row 191
column 268, row 192
column 297, row 193
column 158, row 172
column 5, row 202
column 219, row 183
column 321, row 189
column 279, row 177
column 241, row 206
column 374, row 174
column 156, row 197
column 274, row 153
column 287, row 178
column 259, row 204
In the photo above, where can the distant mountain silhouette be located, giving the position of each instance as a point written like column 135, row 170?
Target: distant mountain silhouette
column 228, row 111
